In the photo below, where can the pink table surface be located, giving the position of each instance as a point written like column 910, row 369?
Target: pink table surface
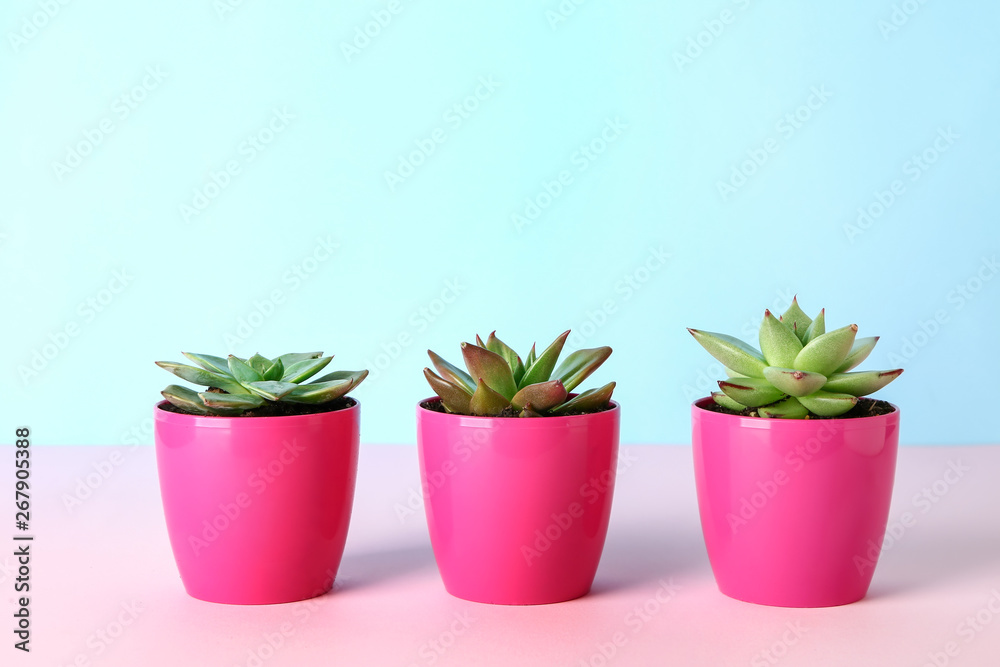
column 106, row 591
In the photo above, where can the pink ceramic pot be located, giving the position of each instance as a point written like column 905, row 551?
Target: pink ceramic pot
column 257, row 508
column 793, row 511
column 518, row 509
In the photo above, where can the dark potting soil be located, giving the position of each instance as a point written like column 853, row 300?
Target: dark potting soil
column 435, row 405
column 279, row 409
column 865, row 407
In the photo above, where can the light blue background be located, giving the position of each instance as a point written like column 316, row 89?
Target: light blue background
column 892, row 79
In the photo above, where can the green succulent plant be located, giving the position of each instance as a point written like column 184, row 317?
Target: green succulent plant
column 237, row 385
column 498, row 382
column 800, row 370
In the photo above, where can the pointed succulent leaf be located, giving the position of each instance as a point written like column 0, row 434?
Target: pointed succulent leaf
column 356, row 378
column 828, row 404
column 529, row 411
column 479, row 341
column 531, row 358
column 539, row 369
column 209, row 362
column 726, row 402
column 319, row 392
column 491, row 368
column 824, row 354
column 542, row 395
column 272, row 390
column 455, row 398
column 751, row 392
column 578, row 366
column 452, row 373
column 295, row 357
column 859, row 352
column 259, row 363
column 733, row 374
column 789, row 408
column 795, row 319
column 793, row 382
column 203, row 377
column 777, row 342
column 588, row 401
column 816, row 328
column 185, row 399
column 518, row 372
column 486, row 401
column 301, row 371
column 242, row 371
column 275, row 370
column 235, row 401
column 861, row 383
column 732, row 353
column 494, row 344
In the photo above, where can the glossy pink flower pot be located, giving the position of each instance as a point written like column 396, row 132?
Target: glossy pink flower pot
column 518, row 509
column 793, row 511
column 257, row 508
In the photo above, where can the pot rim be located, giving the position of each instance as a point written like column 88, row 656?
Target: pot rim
column 698, row 409
column 213, row 421
column 513, row 422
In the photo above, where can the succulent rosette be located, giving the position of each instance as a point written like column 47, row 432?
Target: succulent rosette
column 499, row 383
column 236, row 385
column 801, row 369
